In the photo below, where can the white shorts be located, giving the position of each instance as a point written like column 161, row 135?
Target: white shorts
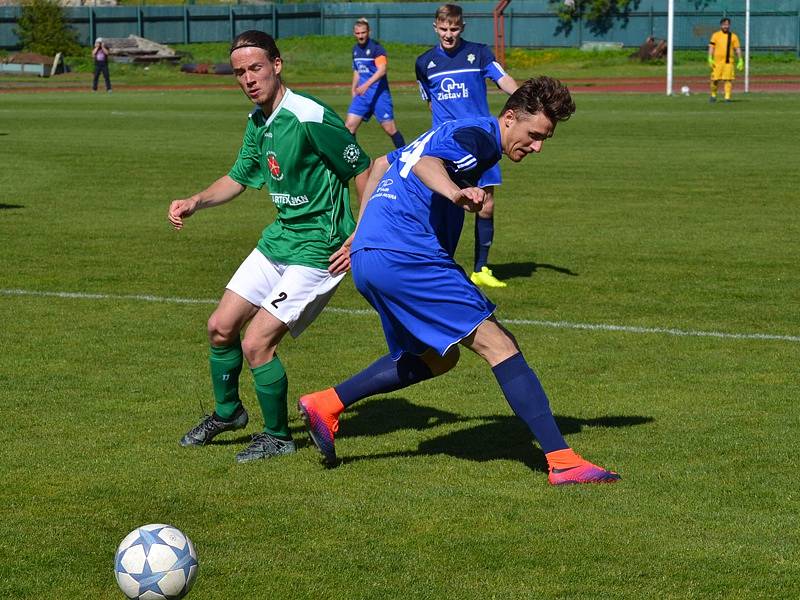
column 293, row 294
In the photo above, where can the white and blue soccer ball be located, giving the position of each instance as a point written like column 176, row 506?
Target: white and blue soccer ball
column 154, row 562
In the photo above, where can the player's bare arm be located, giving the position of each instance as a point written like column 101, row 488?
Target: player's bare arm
column 376, row 173
column 470, row 199
column 354, row 84
column 222, row 190
column 507, row 84
column 380, row 71
column 365, row 185
column 433, row 175
column 361, row 181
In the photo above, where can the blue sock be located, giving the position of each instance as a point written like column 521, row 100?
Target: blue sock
column 384, row 375
column 524, row 393
column 397, row 139
column 484, row 234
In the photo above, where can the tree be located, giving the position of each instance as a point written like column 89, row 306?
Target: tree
column 43, row 28
column 599, row 15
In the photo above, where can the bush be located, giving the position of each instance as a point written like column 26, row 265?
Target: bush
column 42, row 28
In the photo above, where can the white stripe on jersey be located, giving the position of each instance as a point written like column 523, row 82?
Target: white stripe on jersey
column 499, row 67
column 467, row 167
column 435, row 75
column 423, row 92
column 466, row 163
column 364, row 60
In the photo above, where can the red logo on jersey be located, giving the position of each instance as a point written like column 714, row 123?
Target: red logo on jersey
column 274, row 167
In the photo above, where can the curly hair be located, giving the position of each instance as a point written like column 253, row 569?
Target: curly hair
column 542, row 94
column 252, row 38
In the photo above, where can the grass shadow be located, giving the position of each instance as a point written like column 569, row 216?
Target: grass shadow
column 7, row 206
column 503, row 438
column 493, row 437
column 239, row 440
column 526, row 269
column 379, row 417
column 299, row 433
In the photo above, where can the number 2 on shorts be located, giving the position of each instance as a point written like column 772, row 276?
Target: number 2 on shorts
column 281, row 297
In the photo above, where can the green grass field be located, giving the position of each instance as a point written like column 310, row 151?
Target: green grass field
column 660, row 216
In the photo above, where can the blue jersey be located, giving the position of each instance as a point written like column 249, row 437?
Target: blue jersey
column 403, row 214
column 364, row 64
column 455, row 83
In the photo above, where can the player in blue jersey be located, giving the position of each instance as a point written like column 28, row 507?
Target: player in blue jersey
column 452, row 79
column 412, row 212
column 370, row 87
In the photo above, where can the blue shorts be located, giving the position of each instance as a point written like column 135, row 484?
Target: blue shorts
column 378, row 104
column 491, row 177
column 423, row 302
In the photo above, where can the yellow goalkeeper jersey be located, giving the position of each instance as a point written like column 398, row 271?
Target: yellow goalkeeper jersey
column 724, row 45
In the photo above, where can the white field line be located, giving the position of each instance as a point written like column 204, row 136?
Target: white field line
column 348, row 311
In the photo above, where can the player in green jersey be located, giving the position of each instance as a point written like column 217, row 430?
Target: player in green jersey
column 302, row 151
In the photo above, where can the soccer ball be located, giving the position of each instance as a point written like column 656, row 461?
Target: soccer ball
column 155, row 562
column 685, row 90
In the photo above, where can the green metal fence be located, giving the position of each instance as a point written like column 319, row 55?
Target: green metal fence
column 775, row 25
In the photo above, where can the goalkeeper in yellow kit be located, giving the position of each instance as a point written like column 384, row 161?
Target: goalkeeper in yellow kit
column 721, row 46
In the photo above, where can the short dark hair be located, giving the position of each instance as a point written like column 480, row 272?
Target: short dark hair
column 252, row 38
column 542, row 95
column 723, row 19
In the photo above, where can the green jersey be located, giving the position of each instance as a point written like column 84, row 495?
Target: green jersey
column 306, row 156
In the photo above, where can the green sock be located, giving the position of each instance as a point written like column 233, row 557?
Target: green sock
column 226, row 364
column 271, row 391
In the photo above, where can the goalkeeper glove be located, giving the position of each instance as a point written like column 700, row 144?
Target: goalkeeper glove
column 740, row 65
column 711, row 61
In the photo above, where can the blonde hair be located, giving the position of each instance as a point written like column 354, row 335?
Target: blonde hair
column 449, row 12
column 362, row 21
